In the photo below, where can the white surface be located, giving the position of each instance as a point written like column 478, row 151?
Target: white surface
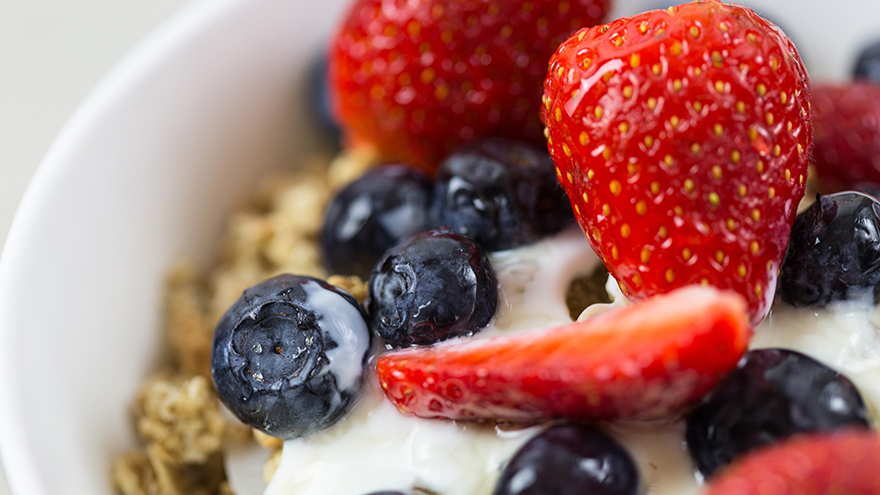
column 142, row 174
column 51, row 54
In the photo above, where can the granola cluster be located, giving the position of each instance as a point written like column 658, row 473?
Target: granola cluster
column 176, row 413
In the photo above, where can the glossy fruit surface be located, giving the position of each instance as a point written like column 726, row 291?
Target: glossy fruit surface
column 846, row 148
column 372, row 214
column 830, row 464
column 569, row 460
column 416, row 80
column 834, row 253
column 501, row 193
column 681, row 137
column 645, row 361
column 772, row 395
column 288, row 357
column 434, row 285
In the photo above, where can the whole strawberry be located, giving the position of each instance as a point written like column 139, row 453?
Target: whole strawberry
column 415, row 79
column 681, row 137
column 846, row 148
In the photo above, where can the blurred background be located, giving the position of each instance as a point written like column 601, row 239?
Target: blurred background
column 52, row 54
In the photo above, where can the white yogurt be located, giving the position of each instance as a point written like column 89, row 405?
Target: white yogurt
column 346, row 328
column 378, row 448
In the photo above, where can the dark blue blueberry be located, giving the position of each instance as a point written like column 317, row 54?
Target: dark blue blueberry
column 319, row 99
column 868, row 63
column 834, row 251
column 501, row 193
column 433, row 286
column 371, row 215
column 288, row 357
column 570, row 460
column 773, row 394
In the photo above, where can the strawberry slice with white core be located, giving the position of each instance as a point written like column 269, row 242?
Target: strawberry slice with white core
column 643, row 362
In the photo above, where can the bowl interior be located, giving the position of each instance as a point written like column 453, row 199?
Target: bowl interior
column 144, row 174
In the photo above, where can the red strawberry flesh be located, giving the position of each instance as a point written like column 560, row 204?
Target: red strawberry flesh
column 833, row 464
column 846, row 147
column 417, row 79
column 642, row 362
column 681, row 137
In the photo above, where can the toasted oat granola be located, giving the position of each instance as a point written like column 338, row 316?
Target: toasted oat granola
column 177, row 414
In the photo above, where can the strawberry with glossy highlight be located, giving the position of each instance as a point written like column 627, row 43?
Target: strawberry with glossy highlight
column 681, row 137
column 646, row 361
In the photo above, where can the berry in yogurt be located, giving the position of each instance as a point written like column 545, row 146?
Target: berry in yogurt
column 289, row 356
column 570, row 460
column 773, row 394
column 433, row 286
column 501, row 193
column 705, row 156
column 645, row 362
column 834, row 252
column 682, row 137
column 416, row 80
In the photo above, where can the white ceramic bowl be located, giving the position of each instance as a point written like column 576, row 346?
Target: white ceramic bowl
column 144, row 174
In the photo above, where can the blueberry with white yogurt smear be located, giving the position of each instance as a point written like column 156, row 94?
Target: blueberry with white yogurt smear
column 570, row 460
column 288, row 357
column 773, row 394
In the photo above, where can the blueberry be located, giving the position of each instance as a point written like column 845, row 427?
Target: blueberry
column 834, row 251
column 773, row 394
column 501, row 193
column 570, row 460
column 371, row 215
column 433, row 286
column 868, row 63
column 288, row 357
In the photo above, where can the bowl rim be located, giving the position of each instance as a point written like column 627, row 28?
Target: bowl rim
column 195, row 17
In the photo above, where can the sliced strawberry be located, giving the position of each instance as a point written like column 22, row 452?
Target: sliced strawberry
column 645, row 361
column 415, row 79
column 846, row 148
column 829, row 464
column 681, row 137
